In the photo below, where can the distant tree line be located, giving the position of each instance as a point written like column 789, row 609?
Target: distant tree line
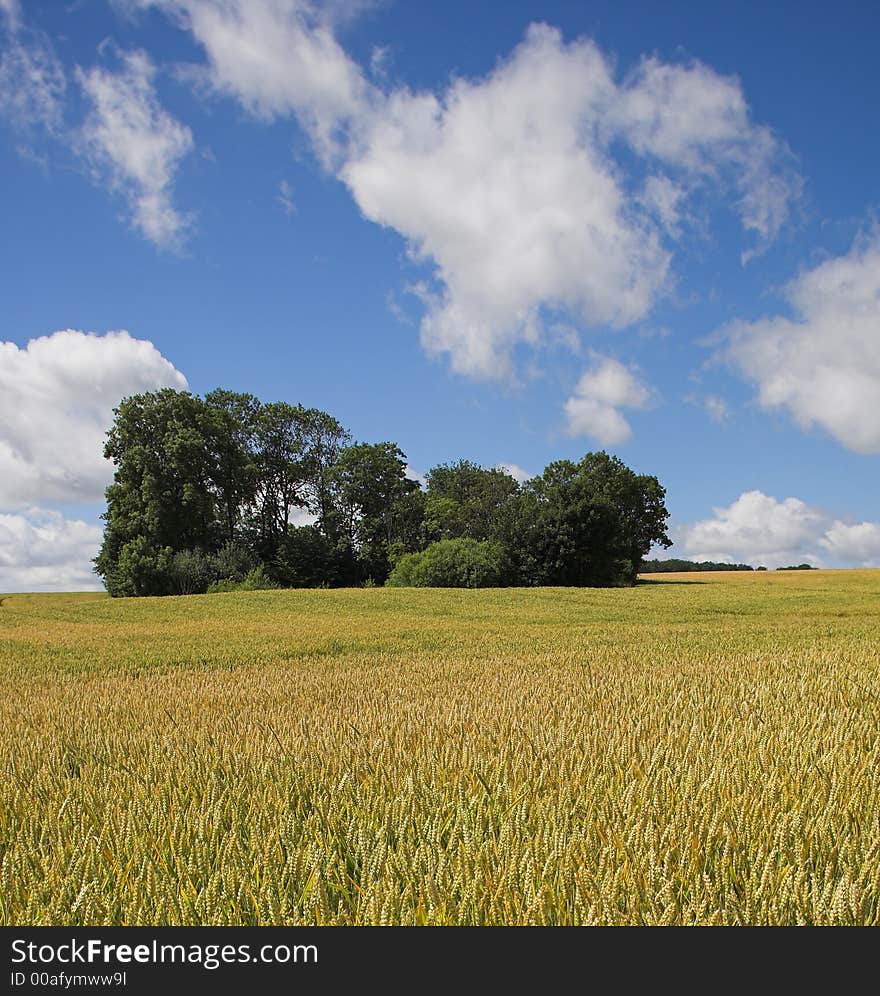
column 675, row 566
column 210, row 494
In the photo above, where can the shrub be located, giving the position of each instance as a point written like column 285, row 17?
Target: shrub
column 233, row 562
column 140, row 569
column 451, row 563
column 256, row 580
column 190, row 572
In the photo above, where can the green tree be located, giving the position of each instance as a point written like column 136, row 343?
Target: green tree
column 282, row 472
column 231, row 422
column 163, row 497
column 204, row 489
column 371, row 493
column 588, row 523
column 324, row 439
column 451, row 563
column 204, row 492
column 297, row 449
column 306, row 558
column 465, row 500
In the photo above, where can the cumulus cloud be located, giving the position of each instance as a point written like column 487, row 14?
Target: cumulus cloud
column 759, row 529
column 40, row 550
column 857, row 544
column 822, row 364
column 697, row 122
column 277, row 58
column 509, row 187
column 57, row 396
column 136, row 145
column 756, row 529
column 593, row 409
column 501, row 185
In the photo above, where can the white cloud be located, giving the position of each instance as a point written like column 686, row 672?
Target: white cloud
column 510, row 186
column 40, row 550
column 822, row 365
column 650, row 105
column 756, row 529
column 56, row 402
column 593, row 408
column 32, row 80
column 857, row 544
column 697, row 122
column 136, row 144
column 515, row 471
column 663, row 199
column 501, row 185
column 277, row 58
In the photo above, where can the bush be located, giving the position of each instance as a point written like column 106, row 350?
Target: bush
column 190, row 572
column 256, row 580
column 140, row 569
column 451, row 563
column 233, row 562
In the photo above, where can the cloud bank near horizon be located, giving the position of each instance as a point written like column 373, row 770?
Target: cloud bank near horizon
column 761, row 530
column 57, row 396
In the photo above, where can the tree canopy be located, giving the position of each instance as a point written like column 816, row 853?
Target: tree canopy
column 226, row 490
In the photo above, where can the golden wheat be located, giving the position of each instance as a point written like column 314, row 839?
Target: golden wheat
column 702, row 750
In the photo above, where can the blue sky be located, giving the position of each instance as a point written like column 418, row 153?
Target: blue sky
column 508, row 232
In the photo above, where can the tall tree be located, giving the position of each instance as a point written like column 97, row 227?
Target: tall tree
column 371, row 490
column 282, row 471
column 162, row 497
column 231, row 422
column 296, row 450
column 588, row 523
column 467, row 501
column 324, row 439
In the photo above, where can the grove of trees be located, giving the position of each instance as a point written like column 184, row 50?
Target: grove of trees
column 207, row 493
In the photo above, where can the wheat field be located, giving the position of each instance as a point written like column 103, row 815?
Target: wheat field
column 702, row 749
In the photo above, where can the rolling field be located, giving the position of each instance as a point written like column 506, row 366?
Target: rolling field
column 702, row 749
